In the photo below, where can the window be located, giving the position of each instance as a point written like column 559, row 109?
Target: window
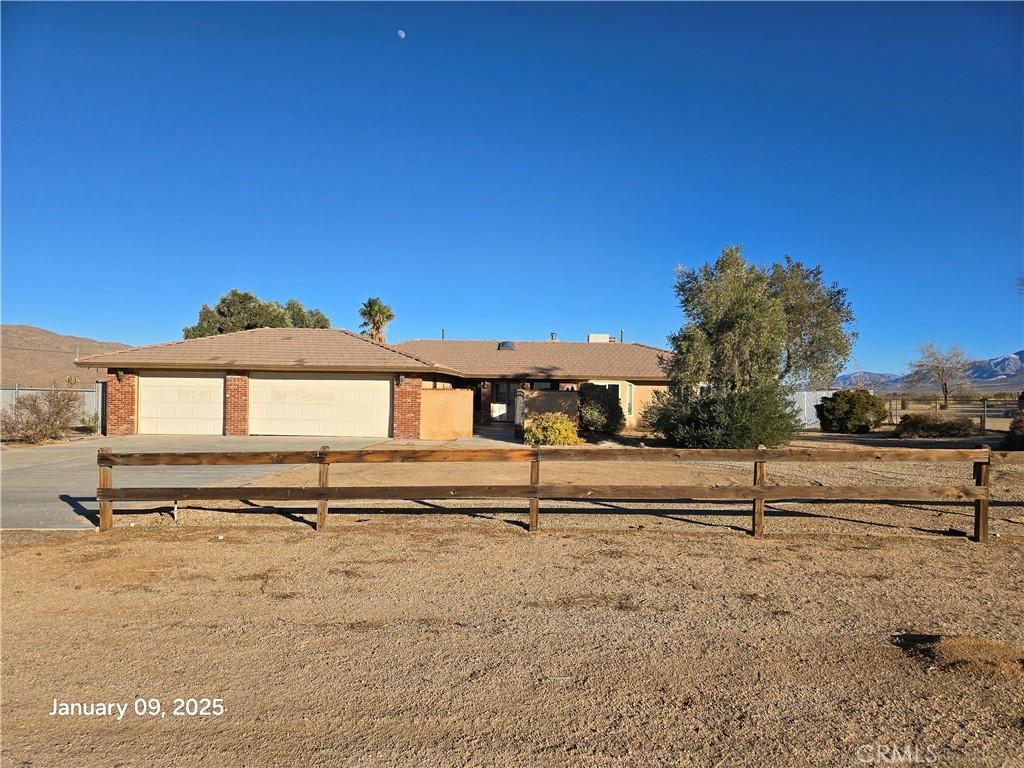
column 629, row 399
column 543, row 385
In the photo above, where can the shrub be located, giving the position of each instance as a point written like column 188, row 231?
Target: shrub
column 600, row 410
column 92, row 422
column 930, row 425
column 41, row 416
column 718, row 419
column 551, row 429
column 851, row 410
column 1015, row 437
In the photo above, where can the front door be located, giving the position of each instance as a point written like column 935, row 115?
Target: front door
column 503, row 401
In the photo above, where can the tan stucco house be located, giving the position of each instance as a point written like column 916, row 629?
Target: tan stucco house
column 325, row 382
column 496, row 369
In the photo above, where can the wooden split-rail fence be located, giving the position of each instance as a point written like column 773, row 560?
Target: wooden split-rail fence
column 535, row 491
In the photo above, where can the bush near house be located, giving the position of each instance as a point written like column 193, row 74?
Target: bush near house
column 931, row 425
column 600, row 410
column 551, row 429
column 760, row 415
column 41, row 416
column 1014, row 440
column 92, row 423
column 851, row 411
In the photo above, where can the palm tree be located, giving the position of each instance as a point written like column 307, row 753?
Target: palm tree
column 376, row 315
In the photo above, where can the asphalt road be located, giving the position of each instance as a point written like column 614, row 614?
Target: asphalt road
column 54, row 486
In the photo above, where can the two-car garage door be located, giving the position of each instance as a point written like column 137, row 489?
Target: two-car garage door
column 279, row 404
column 322, row 404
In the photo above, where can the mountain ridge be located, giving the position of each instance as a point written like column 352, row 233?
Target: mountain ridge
column 35, row 357
column 1002, row 373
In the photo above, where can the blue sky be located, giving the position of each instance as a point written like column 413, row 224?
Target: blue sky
column 509, row 170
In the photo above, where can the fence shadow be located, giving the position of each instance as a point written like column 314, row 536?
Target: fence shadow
column 704, row 518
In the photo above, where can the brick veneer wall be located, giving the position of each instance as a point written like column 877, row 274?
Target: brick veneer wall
column 121, row 403
column 405, row 405
column 236, row 404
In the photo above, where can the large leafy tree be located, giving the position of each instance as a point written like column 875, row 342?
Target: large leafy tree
column 747, row 325
column 819, row 337
column 751, row 333
column 376, row 316
column 241, row 310
column 735, row 331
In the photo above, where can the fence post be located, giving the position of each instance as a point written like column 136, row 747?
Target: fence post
column 981, row 473
column 106, row 507
column 321, row 505
column 534, row 501
column 984, row 414
column 760, row 476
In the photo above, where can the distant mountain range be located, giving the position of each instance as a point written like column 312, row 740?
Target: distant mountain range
column 998, row 374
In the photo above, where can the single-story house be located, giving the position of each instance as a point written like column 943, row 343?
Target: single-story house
column 496, row 369
column 326, row 382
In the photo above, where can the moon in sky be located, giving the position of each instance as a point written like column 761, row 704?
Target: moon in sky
column 401, row 34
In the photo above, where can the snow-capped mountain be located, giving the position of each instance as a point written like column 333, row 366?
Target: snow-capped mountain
column 998, row 367
column 998, row 373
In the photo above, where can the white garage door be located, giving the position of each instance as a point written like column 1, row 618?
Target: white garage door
column 319, row 404
column 181, row 403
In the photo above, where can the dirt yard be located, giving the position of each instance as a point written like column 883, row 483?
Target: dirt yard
column 466, row 641
column 444, row 634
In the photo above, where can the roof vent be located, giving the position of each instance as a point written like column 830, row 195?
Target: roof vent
column 506, row 345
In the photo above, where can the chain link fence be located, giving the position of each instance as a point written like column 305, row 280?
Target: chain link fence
column 989, row 413
column 92, row 399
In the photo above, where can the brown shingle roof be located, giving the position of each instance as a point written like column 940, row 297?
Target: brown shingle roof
column 313, row 349
column 544, row 359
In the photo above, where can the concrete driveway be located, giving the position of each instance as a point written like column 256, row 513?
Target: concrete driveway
column 54, row 486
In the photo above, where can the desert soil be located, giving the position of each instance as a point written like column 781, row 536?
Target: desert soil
column 446, row 635
column 470, row 642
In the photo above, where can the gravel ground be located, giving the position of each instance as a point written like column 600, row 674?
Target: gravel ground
column 430, row 641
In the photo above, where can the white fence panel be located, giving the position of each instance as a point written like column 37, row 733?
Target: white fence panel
column 804, row 402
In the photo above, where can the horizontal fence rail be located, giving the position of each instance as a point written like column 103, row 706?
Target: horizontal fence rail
column 535, row 491
column 417, row 455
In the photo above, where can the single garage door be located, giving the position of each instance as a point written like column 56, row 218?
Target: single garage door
column 319, row 404
column 181, row 403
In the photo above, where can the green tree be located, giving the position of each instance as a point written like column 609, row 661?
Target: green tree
column 241, row 310
column 376, row 316
column 819, row 338
column 301, row 317
column 751, row 335
column 747, row 325
column 736, row 329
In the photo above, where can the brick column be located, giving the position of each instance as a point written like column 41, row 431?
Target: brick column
column 236, row 404
column 405, row 408
column 121, row 403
